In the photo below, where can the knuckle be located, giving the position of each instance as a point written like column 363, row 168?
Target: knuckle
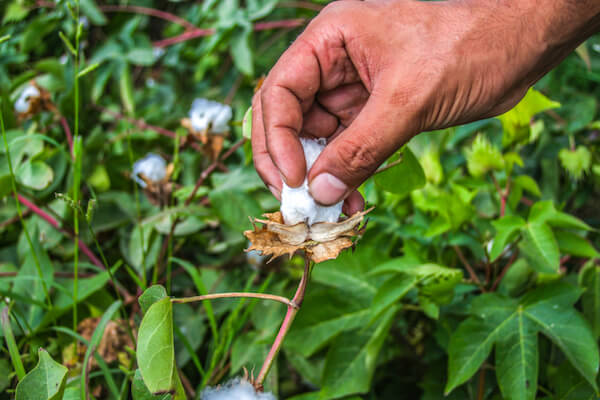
column 358, row 158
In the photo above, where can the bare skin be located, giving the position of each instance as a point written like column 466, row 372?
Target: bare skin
column 370, row 75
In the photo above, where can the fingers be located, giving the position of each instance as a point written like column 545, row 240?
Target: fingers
column 354, row 155
column 345, row 102
column 353, row 203
column 319, row 123
column 262, row 160
column 287, row 93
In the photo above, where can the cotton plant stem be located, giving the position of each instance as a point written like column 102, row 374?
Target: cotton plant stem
column 467, row 266
column 201, row 32
column 213, row 296
column 285, row 325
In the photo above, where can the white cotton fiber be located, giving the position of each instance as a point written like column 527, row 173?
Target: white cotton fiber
column 23, row 103
column 206, row 114
column 297, row 205
column 153, row 167
column 236, row 389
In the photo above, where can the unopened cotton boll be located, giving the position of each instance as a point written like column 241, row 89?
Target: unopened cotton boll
column 297, row 205
column 153, row 167
column 206, row 114
column 236, row 389
column 23, row 103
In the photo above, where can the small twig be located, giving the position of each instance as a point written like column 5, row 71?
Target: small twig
column 14, row 219
column 65, row 125
column 151, row 12
column 466, row 264
column 481, row 386
column 285, row 325
column 510, row 262
column 390, row 165
column 262, row 296
column 201, row 32
column 54, row 223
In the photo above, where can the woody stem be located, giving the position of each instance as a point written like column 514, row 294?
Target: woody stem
column 285, row 325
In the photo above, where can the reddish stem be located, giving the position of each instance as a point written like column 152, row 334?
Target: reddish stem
column 54, row 223
column 65, row 125
column 467, row 266
column 201, row 32
column 151, row 12
column 292, row 310
column 510, row 262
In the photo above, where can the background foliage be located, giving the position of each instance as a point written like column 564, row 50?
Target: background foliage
column 477, row 278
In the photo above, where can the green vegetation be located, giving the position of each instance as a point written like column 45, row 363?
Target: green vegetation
column 478, row 275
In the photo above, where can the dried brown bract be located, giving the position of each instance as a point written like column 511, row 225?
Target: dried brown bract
column 212, row 143
column 321, row 241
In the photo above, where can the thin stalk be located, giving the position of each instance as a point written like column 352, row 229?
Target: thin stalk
column 77, row 175
column 20, row 213
column 263, row 296
column 285, row 325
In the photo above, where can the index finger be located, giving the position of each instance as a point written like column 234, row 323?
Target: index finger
column 286, row 94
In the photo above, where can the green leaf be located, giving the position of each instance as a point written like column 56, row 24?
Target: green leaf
column 11, row 344
column 512, row 326
column 35, row 174
column 234, row 207
column 139, row 391
column 404, row 177
column 91, row 10
column 517, row 359
column 483, row 157
column 351, row 361
column 155, row 349
column 126, row 89
column 45, row 382
column 247, row 124
column 88, row 69
column 515, row 122
column 14, row 12
column 151, row 295
column 540, row 248
column 589, row 279
column 390, row 292
column 67, row 43
column 571, row 243
column 241, row 51
column 506, row 228
column 527, row 183
column 544, row 211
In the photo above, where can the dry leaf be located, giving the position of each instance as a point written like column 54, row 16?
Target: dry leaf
column 113, row 342
column 212, row 143
column 321, row 241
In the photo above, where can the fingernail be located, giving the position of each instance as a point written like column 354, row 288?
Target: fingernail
column 275, row 192
column 327, row 189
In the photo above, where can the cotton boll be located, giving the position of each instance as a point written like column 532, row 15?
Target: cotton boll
column 153, row 167
column 206, row 114
column 23, row 103
column 236, row 389
column 297, row 205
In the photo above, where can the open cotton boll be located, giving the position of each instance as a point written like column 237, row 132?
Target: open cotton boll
column 236, row 389
column 206, row 114
column 23, row 103
column 153, row 167
column 297, row 205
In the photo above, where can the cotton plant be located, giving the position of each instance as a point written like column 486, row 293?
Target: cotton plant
column 303, row 224
column 208, row 122
column 32, row 100
column 235, row 389
column 152, row 173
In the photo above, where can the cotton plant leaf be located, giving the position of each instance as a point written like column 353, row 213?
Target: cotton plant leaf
column 45, row 382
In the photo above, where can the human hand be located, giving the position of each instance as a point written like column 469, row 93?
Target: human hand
column 370, row 75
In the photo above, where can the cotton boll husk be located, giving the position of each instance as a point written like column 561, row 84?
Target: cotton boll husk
column 297, row 205
column 23, row 103
column 153, row 167
column 236, row 389
column 206, row 114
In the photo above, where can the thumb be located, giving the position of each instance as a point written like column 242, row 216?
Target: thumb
column 356, row 153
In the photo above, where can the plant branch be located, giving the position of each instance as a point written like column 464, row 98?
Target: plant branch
column 510, row 262
column 65, row 125
column 262, row 296
column 151, row 12
column 54, row 223
column 285, row 325
column 201, row 32
column 390, row 165
column 466, row 264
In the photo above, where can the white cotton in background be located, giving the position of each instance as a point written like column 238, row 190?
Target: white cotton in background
column 206, row 114
column 236, row 389
column 23, row 103
column 255, row 259
column 297, row 205
column 153, row 167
